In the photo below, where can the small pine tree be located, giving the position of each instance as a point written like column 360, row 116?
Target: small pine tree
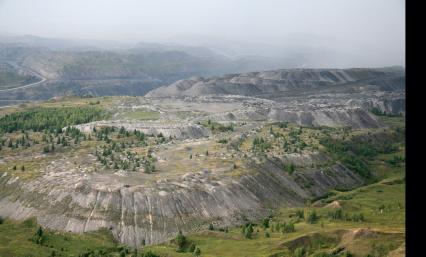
column 39, row 236
column 265, row 223
column 22, row 168
column 197, row 251
column 180, row 240
column 249, row 232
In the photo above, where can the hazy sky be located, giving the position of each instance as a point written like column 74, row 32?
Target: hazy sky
column 373, row 30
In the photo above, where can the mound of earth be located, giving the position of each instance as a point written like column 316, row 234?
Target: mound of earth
column 283, row 81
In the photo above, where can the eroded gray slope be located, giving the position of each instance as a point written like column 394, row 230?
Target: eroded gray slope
column 76, row 202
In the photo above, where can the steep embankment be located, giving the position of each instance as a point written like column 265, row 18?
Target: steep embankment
column 76, row 202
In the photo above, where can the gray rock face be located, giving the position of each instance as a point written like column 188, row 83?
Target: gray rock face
column 154, row 212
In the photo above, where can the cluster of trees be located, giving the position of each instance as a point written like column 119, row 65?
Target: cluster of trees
column 283, row 227
column 211, row 227
column 27, row 142
column 378, row 112
column 248, row 229
column 51, row 119
column 396, row 160
column 63, row 138
column 355, row 153
column 338, row 214
column 49, row 139
column 20, row 142
column 114, row 154
column 217, row 127
column 343, row 152
column 185, row 246
column 292, row 143
column 260, row 144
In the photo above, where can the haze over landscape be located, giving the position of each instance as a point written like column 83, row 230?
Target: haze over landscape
column 202, row 128
column 354, row 33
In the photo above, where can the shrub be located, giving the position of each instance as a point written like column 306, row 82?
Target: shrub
column 299, row 252
column 312, row 217
column 300, row 214
column 265, row 223
column 289, row 168
column 288, row 228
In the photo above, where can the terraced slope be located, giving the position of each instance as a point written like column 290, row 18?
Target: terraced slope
column 283, row 81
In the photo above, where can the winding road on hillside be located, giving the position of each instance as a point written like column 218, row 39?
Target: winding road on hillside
column 43, row 79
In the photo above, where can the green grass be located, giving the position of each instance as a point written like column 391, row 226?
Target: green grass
column 15, row 238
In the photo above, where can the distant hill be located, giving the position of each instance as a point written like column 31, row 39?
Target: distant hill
column 81, row 68
column 286, row 81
